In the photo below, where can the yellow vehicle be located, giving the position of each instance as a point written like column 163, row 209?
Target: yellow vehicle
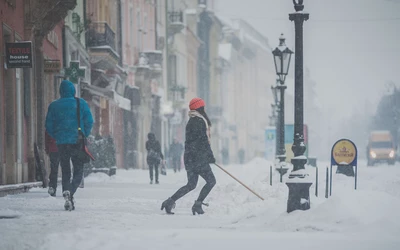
column 381, row 148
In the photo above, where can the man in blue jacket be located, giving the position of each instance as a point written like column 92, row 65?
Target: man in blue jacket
column 62, row 125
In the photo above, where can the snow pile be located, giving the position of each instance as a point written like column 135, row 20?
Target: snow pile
column 123, row 212
column 8, row 214
column 370, row 208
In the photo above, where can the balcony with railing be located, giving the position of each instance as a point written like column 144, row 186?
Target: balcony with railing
column 175, row 20
column 154, row 59
column 100, row 34
column 101, row 42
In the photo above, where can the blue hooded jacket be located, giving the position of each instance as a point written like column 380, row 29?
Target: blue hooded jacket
column 61, row 119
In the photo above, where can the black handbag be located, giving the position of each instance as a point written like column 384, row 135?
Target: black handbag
column 84, row 154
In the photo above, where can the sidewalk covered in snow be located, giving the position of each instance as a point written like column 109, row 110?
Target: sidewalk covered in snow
column 123, row 212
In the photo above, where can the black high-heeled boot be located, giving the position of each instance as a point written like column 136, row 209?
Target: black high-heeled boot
column 197, row 207
column 168, row 204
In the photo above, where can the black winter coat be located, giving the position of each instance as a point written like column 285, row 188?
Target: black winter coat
column 198, row 151
column 154, row 145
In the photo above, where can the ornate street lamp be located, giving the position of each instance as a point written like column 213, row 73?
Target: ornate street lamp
column 282, row 55
column 299, row 182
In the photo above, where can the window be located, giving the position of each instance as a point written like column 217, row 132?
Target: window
column 145, row 23
column 76, row 25
column 123, row 25
column 172, row 70
column 131, row 25
column 160, row 8
column 75, row 55
column 139, row 33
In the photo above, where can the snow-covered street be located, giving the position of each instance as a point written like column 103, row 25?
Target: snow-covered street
column 123, row 212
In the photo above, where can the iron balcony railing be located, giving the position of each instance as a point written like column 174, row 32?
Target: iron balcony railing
column 100, row 34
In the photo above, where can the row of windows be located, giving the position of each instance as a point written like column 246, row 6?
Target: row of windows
column 135, row 24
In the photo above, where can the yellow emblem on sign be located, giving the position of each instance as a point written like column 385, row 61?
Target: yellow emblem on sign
column 344, row 152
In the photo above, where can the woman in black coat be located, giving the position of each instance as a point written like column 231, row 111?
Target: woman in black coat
column 154, row 155
column 197, row 157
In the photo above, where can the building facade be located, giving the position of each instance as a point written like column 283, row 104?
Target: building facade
column 26, row 92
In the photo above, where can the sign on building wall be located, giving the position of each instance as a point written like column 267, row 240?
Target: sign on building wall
column 19, row 55
column 51, row 65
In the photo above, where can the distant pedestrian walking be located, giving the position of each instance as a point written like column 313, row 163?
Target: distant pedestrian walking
column 62, row 125
column 154, row 156
column 197, row 158
column 175, row 152
column 241, row 155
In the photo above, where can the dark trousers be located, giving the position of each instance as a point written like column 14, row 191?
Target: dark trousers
column 176, row 163
column 193, row 176
column 69, row 152
column 54, row 162
column 155, row 167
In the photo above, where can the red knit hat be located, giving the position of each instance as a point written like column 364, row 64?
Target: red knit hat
column 196, row 103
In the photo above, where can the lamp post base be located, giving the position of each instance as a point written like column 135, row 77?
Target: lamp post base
column 299, row 196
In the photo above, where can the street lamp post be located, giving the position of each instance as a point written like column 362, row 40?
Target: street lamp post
column 282, row 56
column 275, row 112
column 299, row 182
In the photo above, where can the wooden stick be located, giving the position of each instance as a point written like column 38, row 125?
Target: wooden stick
column 239, row 181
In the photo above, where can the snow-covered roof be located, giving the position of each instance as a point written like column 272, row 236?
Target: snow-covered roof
column 225, row 51
column 256, row 42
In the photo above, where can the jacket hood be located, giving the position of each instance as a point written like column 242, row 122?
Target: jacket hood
column 67, row 89
column 151, row 136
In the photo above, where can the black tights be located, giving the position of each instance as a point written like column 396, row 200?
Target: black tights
column 155, row 167
column 193, row 176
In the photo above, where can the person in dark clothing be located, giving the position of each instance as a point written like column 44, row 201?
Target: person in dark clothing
column 241, row 155
column 52, row 151
column 175, row 152
column 197, row 158
column 62, row 125
column 225, row 156
column 154, row 156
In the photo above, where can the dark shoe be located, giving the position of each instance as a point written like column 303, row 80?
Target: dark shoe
column 157, row 182
column 151, row 182
column 168, row 204
column 197, row 207
column 67, row 198
column 52, row 191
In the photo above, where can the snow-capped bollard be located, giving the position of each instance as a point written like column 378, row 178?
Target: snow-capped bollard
column 327, row 183
column 270, row 175
column 316, row 181
column 355, row 177
column 330, row 183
